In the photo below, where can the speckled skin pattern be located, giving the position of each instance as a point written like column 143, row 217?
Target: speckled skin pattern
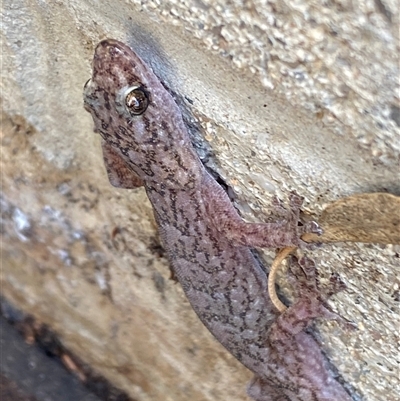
column 206, row 241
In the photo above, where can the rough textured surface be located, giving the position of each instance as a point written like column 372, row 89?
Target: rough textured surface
column 94, row 271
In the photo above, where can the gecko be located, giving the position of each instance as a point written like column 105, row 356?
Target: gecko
column 145, row 143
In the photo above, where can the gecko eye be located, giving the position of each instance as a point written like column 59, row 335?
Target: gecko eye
column 136, row 100
column 86, row 83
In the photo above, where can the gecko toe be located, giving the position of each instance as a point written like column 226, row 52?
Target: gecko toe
column 278, row 206
column 311, row 227
column 327, row 313
column 336, row 284
column 295, row 201
column 308, row 267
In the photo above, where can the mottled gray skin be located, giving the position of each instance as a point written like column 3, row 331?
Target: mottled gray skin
column 206, row 241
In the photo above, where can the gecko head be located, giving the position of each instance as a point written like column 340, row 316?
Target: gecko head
column 134, row 113
column 118, row 81
column 127, row 101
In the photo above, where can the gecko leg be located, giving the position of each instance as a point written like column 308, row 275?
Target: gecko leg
column 311, row 301
column 290, row 347
column 228, row 223
column 294, row 356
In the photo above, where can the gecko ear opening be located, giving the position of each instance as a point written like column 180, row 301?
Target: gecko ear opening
column 136, row 100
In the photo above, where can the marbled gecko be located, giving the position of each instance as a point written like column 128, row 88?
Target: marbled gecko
column 145, row 143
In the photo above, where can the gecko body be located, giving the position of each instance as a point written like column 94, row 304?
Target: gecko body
column 145, row 143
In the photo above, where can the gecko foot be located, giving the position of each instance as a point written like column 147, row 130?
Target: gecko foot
column 295, row 200
column 303, row 276
column 312, row 295
column 313, row 227
column 278, row 206
column 308, row 268
column 292, row 221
